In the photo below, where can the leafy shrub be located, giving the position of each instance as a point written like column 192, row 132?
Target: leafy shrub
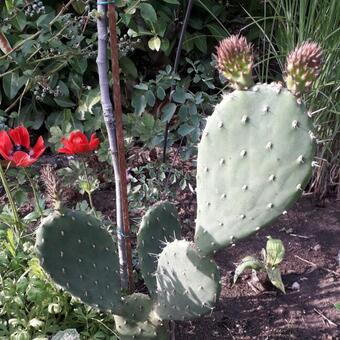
column 31, row 307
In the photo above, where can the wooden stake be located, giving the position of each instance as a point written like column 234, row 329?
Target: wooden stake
column 118, row 114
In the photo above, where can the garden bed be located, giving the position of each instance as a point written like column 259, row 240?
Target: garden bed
column 310, row 234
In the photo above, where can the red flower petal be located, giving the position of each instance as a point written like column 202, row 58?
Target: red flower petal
column 94, row 142
column 6, row 145
column 77, row 137
column 20, row 136
column 78, row 143
column 22, row 159
column 38, row 148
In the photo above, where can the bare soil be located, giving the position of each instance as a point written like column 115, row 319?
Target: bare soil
column 311, row 235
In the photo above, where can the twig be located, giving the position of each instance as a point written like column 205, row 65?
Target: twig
column 325, row 317
column 19, row 45
column 297, row 235
column 118, row 115
column 314, row 265
column 174, row 71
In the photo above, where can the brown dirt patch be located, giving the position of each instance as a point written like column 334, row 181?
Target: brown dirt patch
column 309, row 233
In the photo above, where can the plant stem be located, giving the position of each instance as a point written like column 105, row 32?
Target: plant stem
column 109, row 123
column 89, row 194
column 174, row 71
column 36, row 198
column 17, row 225
column 118, row 114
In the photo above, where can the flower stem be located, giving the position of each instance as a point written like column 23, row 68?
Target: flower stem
column 17, row 225
column 36, row 198
column 89, row 191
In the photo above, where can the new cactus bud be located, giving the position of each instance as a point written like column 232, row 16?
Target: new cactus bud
column 235, row 61
column 303, row 67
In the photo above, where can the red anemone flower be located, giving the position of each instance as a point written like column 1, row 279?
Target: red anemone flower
column 78, row 143
column 15, row 147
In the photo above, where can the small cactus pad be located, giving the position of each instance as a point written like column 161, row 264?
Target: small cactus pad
column 159, row 225
column 254, row 160
column 188, row 283
column 80, row 256
column 136, row 320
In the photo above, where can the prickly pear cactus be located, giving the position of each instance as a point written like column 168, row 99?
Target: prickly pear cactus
column 159, row 225
column 256, row 153
column 254, row 160
column 188, row 283
column 138, row 320
column 80, row 256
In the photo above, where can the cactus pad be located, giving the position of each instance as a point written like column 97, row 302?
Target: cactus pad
column 187, row 282
column 159, row 225
column 80, row 256
column 254, row 160
column 137, row 320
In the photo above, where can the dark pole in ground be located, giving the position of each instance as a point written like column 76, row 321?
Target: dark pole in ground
column 174, row 71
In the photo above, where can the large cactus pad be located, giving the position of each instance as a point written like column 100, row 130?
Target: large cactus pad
column 159, row 225
column 138, row 321
column 253, row 162
column 187, row 282
column 80, row 256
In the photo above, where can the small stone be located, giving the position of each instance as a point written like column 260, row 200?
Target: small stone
column 317, row 247
column 295, row 286
column 280, row 310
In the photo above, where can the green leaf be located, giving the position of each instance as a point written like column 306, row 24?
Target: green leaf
column 148, row 12
column 179, row 95
column 20, row 21
column 201, row 43
column 139, row 103
column 79, row 6
column 128, row 67
column 154, row 43
column 79, row 64
column 150, row 98
column 185, row 129
column 45, row 19
column 168, row 111
column 10, row 5
column 175, row 2
column 337, row 305
column 274, row 276
column 87, row 103
column 249, row 262
column 12, row 83
column 275, row 251
column 64, row 102
column 160, row 93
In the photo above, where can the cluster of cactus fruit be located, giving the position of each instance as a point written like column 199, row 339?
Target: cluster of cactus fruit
column 254, row 160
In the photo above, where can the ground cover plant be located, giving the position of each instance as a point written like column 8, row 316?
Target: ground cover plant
column 89, row 272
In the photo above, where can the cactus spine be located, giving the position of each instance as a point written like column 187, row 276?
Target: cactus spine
column 254, row 160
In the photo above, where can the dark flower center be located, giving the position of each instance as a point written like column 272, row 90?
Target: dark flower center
column 19, row 148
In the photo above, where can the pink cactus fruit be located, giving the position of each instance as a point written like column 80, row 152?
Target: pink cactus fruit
column 303, row 67
column 235, row 61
